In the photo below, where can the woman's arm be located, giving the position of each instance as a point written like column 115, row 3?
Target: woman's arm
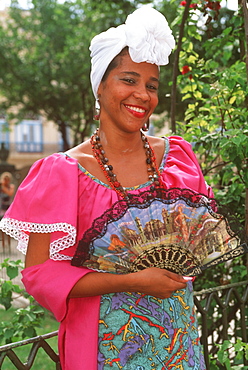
column 153, row 281
column 38, row 249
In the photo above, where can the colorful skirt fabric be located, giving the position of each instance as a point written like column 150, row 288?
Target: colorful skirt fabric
column 138, row 332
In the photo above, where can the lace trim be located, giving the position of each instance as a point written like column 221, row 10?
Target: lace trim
column 141, row 200
column 85, row 249
column 18, row 230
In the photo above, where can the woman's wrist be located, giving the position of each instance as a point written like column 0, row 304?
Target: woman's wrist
column 99, row 283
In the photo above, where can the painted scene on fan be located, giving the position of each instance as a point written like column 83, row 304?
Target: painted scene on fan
column 139, row 332
column 176, row 236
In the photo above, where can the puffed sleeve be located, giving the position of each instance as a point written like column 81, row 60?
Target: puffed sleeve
column 51, row 282
column 182, row 168
column 46, row 202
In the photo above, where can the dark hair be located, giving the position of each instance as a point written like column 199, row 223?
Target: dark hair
column 114, row 63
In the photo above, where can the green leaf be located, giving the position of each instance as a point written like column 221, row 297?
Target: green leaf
column 12, row 271
column 197, row 36
column 232, row 99
column 192, row 59
column 6, row 287
column 186, row 89
column 213, row 364
column 29, row 332
column 197, row 94
column 6, row 302
column 186, row 96
column 227, row 31
column 8, row 333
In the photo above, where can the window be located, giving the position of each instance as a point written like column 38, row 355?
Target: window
column 29, row 136
column 4, row 133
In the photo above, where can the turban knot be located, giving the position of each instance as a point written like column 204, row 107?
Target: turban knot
column 145, row 32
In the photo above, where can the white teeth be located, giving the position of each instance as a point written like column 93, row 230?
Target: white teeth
column 136, row 109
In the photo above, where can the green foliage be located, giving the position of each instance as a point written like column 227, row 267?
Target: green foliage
column 25, row 321
column 215, row 91
column 42, row 360
column 213, row 86
column 7, row 287
column 229, row 350
column 23, row 325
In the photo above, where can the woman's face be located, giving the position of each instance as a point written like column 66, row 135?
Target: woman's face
column 129, row 95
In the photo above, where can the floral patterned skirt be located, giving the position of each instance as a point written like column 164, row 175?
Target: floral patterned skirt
column 138, row 332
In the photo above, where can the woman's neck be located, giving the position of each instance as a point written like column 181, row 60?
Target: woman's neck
column 121, row 143
column 121, row 169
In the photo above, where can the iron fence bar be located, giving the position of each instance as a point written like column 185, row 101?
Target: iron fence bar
column 28, row 341
column 243, row 323
column 204, row 336
column 7, row 350
column 220, row 287
column 241, row 301
column 225, row 324
column 13, row 358
column 203, row 300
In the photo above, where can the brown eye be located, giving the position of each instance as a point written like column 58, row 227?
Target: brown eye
column 128, row 80
column 152, row 87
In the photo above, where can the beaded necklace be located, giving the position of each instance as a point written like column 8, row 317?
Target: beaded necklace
column 152, row 168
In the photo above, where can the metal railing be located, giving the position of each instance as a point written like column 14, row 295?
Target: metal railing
column 222, row 314
column 8, row 350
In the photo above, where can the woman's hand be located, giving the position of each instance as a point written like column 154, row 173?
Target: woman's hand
column 153, row 281
column 157, row 282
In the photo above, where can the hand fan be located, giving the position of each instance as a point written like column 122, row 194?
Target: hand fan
column 175, row 229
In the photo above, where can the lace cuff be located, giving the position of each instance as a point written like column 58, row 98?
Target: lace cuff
column 20, row 231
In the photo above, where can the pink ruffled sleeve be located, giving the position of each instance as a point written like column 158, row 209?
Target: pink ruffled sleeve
column 46, row 202
column 182, row 169
column 53, row 283
column 50, row 284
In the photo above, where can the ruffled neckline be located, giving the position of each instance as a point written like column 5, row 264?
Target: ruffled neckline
column 148, row 183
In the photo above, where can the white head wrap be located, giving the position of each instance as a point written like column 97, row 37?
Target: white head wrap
column 145, row 32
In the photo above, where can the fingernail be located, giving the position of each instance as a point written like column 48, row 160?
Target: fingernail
column 188, row 278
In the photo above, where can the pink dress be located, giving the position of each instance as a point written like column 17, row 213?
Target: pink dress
column 60, row 197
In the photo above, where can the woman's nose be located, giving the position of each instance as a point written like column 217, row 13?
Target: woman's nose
column 141, row 93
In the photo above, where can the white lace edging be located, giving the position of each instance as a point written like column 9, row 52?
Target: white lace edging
column 17, row 230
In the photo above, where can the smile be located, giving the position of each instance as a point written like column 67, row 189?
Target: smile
column 136, row 111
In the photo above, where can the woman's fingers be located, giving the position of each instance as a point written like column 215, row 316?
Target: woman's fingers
column 157, row 282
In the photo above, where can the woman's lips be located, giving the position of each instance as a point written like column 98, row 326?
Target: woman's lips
column 136, row 111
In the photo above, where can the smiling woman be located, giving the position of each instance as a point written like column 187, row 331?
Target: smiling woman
column 137, row 320
column 128, row 96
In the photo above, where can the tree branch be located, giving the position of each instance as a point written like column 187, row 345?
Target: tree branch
column 175, row 70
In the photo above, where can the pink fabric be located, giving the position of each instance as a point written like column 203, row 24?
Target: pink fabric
column 48, row 193
column 46, row 201
column 52, row 294
column 182, row 169
column 58, row 190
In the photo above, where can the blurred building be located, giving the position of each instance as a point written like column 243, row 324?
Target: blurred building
column 22, row 143
column 28, row 141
